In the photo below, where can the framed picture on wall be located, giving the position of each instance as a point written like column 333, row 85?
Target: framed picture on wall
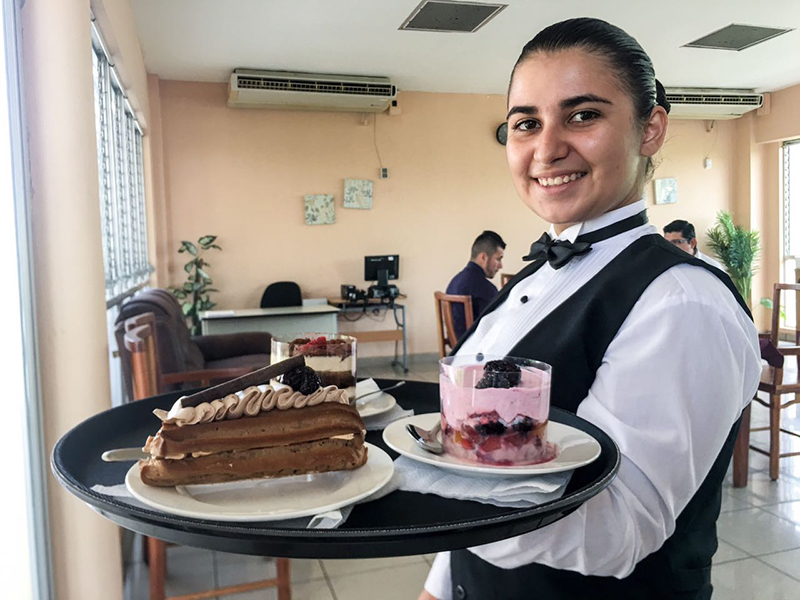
column 357, row 193
column 319, row 209
column 666, row 190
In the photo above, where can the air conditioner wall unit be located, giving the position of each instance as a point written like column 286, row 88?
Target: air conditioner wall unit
column 711, row 104
column 309, row 91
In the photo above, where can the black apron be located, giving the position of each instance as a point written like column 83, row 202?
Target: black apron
column 573, row 339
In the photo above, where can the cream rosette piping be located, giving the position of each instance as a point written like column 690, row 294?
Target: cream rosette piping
column 249, row 403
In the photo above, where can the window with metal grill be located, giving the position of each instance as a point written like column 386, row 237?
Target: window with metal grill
column 791, row 223
column 121, row 173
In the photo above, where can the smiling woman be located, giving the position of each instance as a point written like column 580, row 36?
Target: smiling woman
column 583, row 144
column 602, row 302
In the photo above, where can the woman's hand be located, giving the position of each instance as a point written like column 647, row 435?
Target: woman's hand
column 426, row 596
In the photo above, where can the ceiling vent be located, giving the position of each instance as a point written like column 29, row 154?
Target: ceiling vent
column 736, row 37
column 701, row 103
column 451, row 16
column 309, row 91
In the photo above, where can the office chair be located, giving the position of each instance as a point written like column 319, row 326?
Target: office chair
column 281, row 293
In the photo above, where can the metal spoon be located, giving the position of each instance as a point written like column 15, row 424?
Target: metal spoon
column 427, row 439
column 391, row 387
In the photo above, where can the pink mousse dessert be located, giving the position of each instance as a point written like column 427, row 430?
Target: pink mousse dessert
column 495, row 412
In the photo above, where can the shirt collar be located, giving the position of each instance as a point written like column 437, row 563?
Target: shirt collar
column 473, row 265
column 612, row 216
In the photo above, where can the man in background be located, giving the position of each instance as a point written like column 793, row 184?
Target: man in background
column 486, row 259
column 681, row 234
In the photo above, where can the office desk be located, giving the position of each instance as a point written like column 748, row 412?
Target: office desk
column 384, row 335
column 287, row 320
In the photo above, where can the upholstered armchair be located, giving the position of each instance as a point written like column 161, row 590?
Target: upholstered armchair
column 177, row 351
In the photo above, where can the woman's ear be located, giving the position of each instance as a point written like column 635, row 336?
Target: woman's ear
column 655, row 130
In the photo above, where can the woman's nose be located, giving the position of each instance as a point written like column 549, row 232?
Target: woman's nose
column 551, row 145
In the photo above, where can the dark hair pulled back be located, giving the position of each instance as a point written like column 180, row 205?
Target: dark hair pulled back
column 630, row 63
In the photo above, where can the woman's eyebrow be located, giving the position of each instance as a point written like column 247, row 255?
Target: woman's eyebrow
column 564, row 104
column 582, row 99
column 525, row 110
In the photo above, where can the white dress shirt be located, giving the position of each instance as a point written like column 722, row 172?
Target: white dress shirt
column 707, row 259
column 672, row 383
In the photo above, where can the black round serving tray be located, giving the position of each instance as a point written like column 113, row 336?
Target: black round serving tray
column 401, row 523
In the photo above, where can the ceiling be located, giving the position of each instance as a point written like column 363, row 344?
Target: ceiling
column 204, row 40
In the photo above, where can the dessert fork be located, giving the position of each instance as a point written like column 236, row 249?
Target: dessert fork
column 427, row 439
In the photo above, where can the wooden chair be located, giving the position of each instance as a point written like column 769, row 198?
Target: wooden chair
column 775, row 381
column 140, row 342
column 505, row 278
column 444, row 318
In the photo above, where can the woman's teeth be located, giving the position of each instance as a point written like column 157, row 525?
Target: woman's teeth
column 559, row 180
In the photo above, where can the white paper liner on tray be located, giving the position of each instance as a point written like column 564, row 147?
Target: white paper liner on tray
column 511, row 492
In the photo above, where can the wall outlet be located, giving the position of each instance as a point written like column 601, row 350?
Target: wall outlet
column 384, row 173
column 707, row 164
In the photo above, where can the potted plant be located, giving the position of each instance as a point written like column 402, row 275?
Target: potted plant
column 737, row 248
column 194, row 293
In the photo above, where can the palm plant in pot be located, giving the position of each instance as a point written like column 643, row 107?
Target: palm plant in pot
column 737, row 248
column 194, row 295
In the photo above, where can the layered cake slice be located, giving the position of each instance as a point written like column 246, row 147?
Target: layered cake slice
column 332, row 356
column 264, row 431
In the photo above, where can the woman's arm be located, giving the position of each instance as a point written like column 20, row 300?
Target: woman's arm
column 671, row 385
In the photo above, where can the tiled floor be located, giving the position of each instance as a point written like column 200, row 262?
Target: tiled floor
column 758, row 556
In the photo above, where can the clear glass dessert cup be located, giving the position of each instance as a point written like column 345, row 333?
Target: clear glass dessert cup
column 495, row 409
column 331, row 355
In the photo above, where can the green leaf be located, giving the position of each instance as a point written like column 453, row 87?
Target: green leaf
column 180, row 295
column 188, row 267
column 188, row 247
column 188, row 286
column 204, row 275
column 206, row 240
column 187, row 308
column 215, row 246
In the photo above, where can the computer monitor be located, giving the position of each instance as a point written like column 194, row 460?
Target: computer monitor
column 381, row 268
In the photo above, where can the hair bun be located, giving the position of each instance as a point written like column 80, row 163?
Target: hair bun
column 661, row 96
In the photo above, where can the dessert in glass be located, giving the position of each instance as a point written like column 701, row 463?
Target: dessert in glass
column 495, row 409
column 331, row 355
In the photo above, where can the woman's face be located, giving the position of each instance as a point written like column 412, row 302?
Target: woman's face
column 574, row 147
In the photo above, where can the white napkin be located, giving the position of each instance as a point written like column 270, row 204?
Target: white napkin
column 381, row 421
column 326, row 520
column 514, row 492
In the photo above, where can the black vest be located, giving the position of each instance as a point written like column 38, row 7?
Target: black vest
column 573, row 339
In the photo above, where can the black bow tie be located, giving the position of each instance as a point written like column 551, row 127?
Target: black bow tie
column 557, row 252
column 560, row 252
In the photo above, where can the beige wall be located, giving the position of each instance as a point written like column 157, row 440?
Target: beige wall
column 68, row 265
column 241, row 174
column 782, row 121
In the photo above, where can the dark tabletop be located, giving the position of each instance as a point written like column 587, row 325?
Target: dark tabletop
column 402, row 523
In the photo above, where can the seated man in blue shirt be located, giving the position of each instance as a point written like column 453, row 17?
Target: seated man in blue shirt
column 485, row 261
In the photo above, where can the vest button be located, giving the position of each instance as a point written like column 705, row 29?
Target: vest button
column 524, row 299
column 461, row 593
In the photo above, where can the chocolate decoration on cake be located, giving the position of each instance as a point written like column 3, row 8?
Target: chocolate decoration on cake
column 257, row 377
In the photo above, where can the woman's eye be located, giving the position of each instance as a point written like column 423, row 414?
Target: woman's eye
column 525, row 125
column 584, row 116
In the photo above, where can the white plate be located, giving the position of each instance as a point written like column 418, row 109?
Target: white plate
column 268, row 499
column 376, row 404
column 576, row 448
